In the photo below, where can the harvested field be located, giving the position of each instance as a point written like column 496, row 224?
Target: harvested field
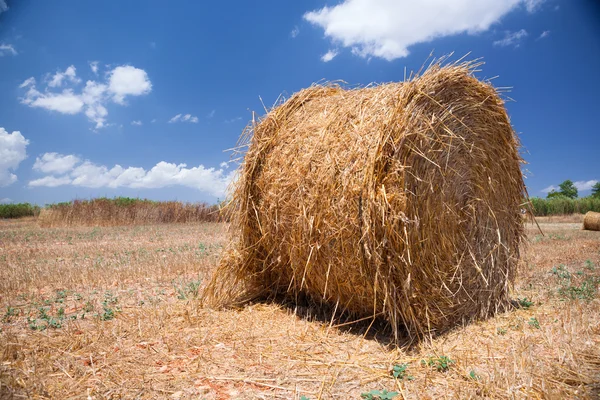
column 112, row 312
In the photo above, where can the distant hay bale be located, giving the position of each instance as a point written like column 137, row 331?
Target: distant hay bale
column 591, row 221
column 400, row 200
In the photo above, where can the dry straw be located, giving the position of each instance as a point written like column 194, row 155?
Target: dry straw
column 591, row 221
column 400, row 200
column 125, row 211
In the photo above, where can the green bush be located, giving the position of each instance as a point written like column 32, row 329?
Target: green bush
column 18, row 210
column 562, row 205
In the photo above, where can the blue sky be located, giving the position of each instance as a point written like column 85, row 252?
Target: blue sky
column 144, row 98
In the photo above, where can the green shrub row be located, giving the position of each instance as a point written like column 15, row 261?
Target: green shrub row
column 18, row 210
column 561, row 205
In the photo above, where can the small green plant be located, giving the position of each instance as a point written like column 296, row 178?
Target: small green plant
column 501, row 331
column 379, row 395
column 441, row 364
column 589, row 265
column 10, row 312
column 585, row 291
column 89, row 306
column 189, row 290
column 43, row 314
column 60, row 296
column 473, row 375
column 577, row 286
column 109, row 298
column 55, row 323
column 524, row 303
column 561, row 272
column 534, row 323
column 400, row 372
column 33, row 325
column 109, row 314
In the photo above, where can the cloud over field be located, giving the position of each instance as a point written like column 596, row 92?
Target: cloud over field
column 62, row 91
column 387, row 28
column 13, row 148
column 71, row 170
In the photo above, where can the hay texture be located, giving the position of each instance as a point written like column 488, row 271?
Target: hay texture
column 591, row 221
column 399, row 200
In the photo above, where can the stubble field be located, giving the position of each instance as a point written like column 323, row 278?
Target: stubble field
column 114, row 312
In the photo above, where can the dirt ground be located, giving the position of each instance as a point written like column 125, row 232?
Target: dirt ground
column 109, row 313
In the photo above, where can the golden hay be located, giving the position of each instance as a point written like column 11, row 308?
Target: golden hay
column 400, row 200
column 591, row 221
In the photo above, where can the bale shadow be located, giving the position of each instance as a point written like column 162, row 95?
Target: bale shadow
column 374, row 328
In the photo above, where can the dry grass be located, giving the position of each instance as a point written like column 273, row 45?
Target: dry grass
column 126, row 211
column 400, row 200
column 159, row 343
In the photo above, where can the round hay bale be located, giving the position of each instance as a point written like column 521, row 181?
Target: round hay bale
column 400, row 200
column 591, row 221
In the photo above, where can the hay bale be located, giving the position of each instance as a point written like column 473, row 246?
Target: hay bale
column 591, row 221
column 400, row 200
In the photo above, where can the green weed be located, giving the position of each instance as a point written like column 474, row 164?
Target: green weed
column 441, row 364
column 379, row 395
column 524, row 303
column 473, row 375
column 534, row 323
column 10, row 312
column 400, row 372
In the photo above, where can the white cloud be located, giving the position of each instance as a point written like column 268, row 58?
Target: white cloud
column 330, row 55
column 6, row 200
column 224, row 165
column 232, row 120
column 7, row 49
column 295, row 32
column 544, row 34
column 70, row 74
column 211, row 114
column 387, row 28
column 50, row 181
column 128, row 81
column 190, row 118
column 93, row 99
column 184, row 118
column 138, row 123
column 3, row 6
column 94, row 67
column 163, row 174
column 511, row 38
column 533, row 5
column 65, row 102
column 13, row 150
column 580, row 185
column 585, row 185
column 27, row 82
column 549, row 189
column 55, row 163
